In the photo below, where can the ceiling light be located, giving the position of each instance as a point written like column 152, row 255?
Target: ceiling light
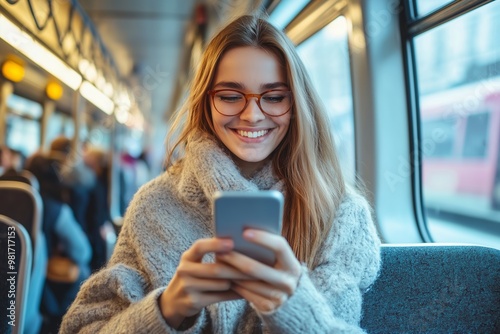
column 37, row 53
column 96, row 97
column 54, row 90
column 13, row 70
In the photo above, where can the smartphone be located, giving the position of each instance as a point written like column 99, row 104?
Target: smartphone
column 235, row 211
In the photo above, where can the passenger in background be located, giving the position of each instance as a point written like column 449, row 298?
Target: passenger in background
column 252, row 121
column 11, row 161
column 65, row 239
column 4, row 158
column 134, row 173
column 98, row 214
column 76, row 179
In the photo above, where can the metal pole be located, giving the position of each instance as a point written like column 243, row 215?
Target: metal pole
column 48, row 108
column 6, row 89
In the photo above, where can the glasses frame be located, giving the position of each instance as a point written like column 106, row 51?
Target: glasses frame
column 247, row 100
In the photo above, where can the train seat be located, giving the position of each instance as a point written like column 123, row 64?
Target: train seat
column 22, row 203
column 22, row 176
column 435, row 288
column 16, row 242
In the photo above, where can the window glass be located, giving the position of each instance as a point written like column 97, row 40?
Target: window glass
column 458, row 71
column 23, row 107
column 446, row 129
column 476, row 136
column 99, row 136
column 425, row 7
column 285, row 11
column 23, row 134
column 326, row 57
column 69, row 127
column 23, row 126
column 55, row 127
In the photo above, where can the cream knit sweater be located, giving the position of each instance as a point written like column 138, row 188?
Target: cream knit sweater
column 169, row 213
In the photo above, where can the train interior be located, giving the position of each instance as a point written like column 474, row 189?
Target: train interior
column 412, row 88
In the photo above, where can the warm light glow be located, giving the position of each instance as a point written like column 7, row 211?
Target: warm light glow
column 108, row 89
column 296, row 33
column 96, row 97
column 123, row 101
column 39, row 54
column 135, row 121
column 54, row 90
column 83, row 64
column 91, row 72
column 122, row 115
column 12, row 70
column 338, row 28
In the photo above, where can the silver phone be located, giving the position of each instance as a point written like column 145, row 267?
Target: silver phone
column 234, row 211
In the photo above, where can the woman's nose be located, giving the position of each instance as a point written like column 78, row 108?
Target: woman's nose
column 252, row 112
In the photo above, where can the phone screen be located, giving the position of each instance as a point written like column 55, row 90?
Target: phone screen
column 236, row 211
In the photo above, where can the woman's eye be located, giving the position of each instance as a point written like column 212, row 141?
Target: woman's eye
column 273, row 98
column 230, row 98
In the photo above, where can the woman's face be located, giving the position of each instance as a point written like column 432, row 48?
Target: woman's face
column 252, row 135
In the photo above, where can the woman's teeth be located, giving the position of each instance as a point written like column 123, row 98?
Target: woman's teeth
column 250, row 134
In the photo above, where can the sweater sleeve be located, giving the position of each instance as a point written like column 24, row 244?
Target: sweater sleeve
column 122, row 298
column 115, row 301
column 328, row 299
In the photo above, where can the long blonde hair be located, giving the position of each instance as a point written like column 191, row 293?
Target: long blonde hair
column 306, row 159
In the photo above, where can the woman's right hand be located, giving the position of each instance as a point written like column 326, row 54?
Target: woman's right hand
column 196, row 284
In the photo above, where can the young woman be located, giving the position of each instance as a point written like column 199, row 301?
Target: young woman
column 252, row 121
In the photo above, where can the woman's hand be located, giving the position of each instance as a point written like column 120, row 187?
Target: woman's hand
column 196, row 284
column 270, row 286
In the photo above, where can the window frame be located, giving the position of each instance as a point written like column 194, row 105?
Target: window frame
column 411, row 27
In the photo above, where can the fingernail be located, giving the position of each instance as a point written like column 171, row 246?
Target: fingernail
column 249, row 234
column 227, row 244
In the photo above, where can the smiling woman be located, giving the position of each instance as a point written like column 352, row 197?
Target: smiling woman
column 252, row 134
column 251, row 122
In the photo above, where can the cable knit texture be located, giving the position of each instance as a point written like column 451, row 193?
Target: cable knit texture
column 169, row 213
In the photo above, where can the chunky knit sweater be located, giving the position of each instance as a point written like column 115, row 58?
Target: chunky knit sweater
column 168, row 214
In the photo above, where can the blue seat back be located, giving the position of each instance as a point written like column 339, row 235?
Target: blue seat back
column 22, row 176
column 435, row 289
column 15, row 270
column 22, row 203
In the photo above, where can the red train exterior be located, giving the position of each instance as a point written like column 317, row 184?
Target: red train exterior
column 461, row 145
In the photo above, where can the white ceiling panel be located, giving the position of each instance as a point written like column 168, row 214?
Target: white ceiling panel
column 145, row 37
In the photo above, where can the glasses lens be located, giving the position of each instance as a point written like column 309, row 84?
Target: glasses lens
column 229, row 102
column 276, row 102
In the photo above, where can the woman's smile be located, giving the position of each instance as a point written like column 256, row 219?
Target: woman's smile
column 251, row 135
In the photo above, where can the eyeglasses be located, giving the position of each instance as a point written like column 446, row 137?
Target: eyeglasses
column 230, row 102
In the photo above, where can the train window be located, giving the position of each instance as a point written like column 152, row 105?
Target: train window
column 425, row 7
column 24, row 107
column 99, row 136
column 59, row 125
column 439, row 138
column 326, row 57
column 23, row 126
column 285, row 11
column 476, row 136
column 458, row 71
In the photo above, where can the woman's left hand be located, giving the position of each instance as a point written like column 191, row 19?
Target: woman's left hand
column 272, row 285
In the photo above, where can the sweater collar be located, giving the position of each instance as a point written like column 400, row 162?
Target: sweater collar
column 207, row 168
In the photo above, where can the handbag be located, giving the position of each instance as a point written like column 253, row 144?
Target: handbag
column 62, row 270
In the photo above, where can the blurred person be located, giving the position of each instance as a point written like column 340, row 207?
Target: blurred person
column 64, row 238
column 134, row 172
column 5, row 157
column 252, row 122
column 13, row 161
column 98, row 214
column 76, row 179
